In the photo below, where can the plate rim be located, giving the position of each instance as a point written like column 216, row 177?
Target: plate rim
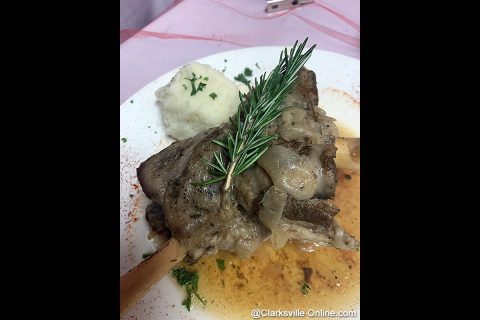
column 236, row 50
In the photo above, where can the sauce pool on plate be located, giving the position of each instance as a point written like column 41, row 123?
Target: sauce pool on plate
column 273, row 279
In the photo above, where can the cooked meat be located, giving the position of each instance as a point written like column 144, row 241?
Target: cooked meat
column 156, row 219
column 156, row 173
column 300, row 164
column 199, row 217
column 317, row 211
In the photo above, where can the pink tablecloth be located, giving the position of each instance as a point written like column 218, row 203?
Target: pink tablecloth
column 191, row 29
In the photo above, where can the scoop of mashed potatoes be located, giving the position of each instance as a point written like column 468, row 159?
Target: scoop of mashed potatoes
column 191, row 106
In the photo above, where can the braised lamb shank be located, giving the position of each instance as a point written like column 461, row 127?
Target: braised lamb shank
column 286, row 195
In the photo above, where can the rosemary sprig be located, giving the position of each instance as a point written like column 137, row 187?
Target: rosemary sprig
column 256, row 111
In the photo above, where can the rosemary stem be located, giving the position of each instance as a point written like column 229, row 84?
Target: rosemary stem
column 231, row 169
column 228, row 183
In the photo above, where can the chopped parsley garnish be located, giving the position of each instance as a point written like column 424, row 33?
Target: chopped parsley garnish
column 146, row 255
column 256, row 65
column 241, row 78
column 305, row 288
column 201, row 85
column 189, row 280
column 225, row 60
column 221, row 264
column 205, row 78
column 124, row 140
column 225, row 68
column 195, row 89
column 185, row 87
column 213, row 95
column 131, row 101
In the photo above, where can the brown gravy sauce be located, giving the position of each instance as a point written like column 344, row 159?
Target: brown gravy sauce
column 272, row 279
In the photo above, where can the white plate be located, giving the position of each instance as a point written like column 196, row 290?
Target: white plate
column 141, row 124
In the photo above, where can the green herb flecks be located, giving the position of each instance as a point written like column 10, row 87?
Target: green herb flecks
column 184, row 87
column 146, row 255
column 189, row 280
column 195, row 89
column 201, row 86
column 205, row 78
column 213, row 95
column 256, row 65
column 124, row 140
column 256, row 111
column 241, row 78
column 305, row 288
column 221, row 264
column 225, row 60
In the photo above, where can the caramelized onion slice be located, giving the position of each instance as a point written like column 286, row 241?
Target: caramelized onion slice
column 273, row 203
column 291, row 172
